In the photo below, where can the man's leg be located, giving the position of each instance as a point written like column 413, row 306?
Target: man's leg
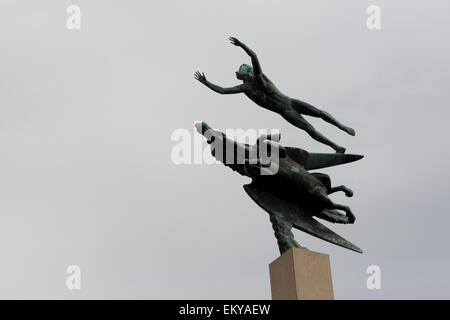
column 294, row 118
column 309, row 110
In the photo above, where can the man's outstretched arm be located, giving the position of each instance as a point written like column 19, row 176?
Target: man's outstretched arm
column 255, row 62
column 202, row 78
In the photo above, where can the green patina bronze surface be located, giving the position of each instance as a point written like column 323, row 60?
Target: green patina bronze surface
column 292, row 196
column 261, row 90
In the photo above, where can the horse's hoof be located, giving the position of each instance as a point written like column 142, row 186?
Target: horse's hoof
column 351, row 217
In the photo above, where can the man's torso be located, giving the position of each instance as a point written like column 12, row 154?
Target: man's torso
column 266, row 95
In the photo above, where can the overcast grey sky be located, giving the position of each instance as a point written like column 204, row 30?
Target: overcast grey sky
column 86, row 117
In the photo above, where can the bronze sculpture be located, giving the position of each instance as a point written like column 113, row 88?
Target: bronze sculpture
column 258, row 87
column 292, row 196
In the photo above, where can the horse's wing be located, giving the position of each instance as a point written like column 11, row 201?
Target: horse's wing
column 299, row 216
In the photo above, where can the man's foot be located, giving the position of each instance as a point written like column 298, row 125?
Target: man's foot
column 339, row 149
column 349, row 130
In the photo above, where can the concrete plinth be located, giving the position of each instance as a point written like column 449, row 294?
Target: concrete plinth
column 301, row 274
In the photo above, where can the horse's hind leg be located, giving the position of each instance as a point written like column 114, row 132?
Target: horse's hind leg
column 326, row 181
column 319, row 192
column 348, row 211
column 348, row 192
column 333, row 216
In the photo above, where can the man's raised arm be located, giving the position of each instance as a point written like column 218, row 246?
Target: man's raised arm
column 202, row 78
column 255, row 62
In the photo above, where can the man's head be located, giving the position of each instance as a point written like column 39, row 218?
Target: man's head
column 245, row 72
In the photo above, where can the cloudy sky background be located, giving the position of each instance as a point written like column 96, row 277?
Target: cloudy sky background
column 86, row 117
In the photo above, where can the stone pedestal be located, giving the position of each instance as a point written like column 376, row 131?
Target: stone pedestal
column 300, row 274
